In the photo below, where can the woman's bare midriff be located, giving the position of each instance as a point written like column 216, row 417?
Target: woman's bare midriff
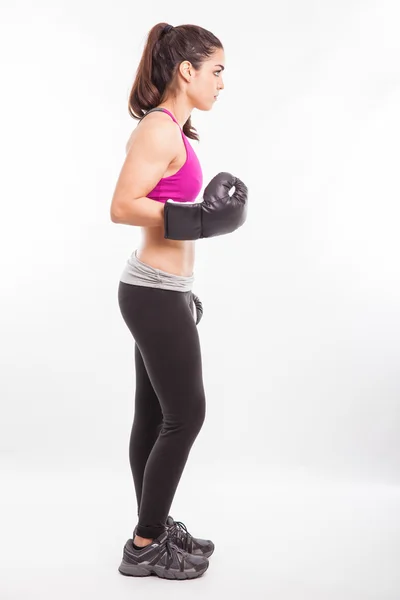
column 173, row 256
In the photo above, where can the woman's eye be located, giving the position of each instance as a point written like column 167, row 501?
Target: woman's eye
column 217, row 72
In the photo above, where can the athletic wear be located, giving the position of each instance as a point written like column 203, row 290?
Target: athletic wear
column 161, row 558
column 186, row 184
column 159, row 309
column 170, row 403
column 137, row 272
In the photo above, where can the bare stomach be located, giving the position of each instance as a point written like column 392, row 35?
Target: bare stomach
column 173, row 256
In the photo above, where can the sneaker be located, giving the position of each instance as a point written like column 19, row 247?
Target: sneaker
column 162, row 558
column 180, row 536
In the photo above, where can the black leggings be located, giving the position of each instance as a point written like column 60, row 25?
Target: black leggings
column 170, row 402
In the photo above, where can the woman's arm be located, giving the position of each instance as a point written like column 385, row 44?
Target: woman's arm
column 149, row 155
column 142, row 211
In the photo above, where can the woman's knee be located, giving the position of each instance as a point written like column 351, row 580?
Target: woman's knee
column 199, row 413
column 190, row 418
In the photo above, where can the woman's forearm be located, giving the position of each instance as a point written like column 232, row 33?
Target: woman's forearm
column 142, row 212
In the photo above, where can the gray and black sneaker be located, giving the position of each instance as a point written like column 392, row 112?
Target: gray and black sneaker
column 162, row 558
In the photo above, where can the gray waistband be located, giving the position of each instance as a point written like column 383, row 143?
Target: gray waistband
column 137, row 272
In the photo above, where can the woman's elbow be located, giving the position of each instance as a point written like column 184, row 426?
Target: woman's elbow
column 114, row 216
column 117, row 212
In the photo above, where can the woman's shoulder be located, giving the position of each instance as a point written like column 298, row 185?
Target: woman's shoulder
column 157, row 122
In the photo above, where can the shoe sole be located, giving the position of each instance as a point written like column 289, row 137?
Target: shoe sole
column 146, row 570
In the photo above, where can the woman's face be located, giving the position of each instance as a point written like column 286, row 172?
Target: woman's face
column 206, row 83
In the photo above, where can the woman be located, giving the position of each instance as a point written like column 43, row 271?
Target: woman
column 181, row 69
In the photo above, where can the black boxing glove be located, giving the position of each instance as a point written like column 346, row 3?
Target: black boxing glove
column 218, row 213
column 199, row 308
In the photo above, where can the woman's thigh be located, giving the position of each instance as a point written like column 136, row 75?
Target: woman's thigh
column 162, row 324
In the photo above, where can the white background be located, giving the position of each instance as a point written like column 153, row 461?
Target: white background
column 295, row 473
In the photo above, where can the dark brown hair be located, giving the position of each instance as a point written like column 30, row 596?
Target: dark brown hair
column 162, row 55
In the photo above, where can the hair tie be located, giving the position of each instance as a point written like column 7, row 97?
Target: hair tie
column 167, row 28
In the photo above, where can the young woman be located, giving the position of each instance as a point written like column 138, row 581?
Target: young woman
column 180, row 69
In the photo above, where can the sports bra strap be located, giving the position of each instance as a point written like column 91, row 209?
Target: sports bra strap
column 164, row 110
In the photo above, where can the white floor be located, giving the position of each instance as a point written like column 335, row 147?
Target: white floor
column 277, row 537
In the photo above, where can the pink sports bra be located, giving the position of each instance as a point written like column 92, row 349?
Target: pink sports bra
column 185, row 184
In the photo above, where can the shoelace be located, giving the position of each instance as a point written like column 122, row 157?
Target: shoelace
column 179, row 530
column 171, row 548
